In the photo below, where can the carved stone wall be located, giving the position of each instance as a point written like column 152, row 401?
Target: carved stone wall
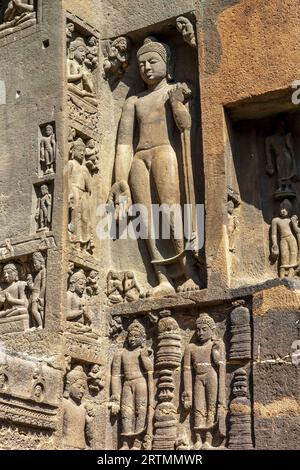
column 109, row 342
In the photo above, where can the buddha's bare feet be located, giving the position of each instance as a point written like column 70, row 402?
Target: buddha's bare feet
column 188, row 286
column 164, row 289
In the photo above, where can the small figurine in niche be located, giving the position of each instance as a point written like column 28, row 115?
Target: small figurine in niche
column 280, row 146
column 232, row 225
column 115, row 287
column 131, row 289
column 117, row 59
column 132, row 396
column 38, row 289
column 48, row 150
column 13, row 300
column 77, row 313
column 79, row 198
column 80, row 80
column 77, row 430
column 91, row 156
column 207, row 396
column 18, row 12
column 185, row 27
column 284, row 229
column 44, row 209
column 115, row 326
column 92, row 52
column 92, row 283
column 69, row 32
column 96, row 379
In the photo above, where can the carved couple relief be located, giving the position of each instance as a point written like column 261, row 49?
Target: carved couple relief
column 121, row 287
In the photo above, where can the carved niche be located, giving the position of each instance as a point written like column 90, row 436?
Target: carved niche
column 47, row 149
column 43, row 214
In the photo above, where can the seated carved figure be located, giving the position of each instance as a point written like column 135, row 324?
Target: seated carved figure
column 77, row 315
column 17, row 12
column 80, row 80
column 13, row 300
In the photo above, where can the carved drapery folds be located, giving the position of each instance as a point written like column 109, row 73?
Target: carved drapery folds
column 240, row 432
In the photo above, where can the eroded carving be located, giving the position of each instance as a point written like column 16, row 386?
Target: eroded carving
column 132, row 396
column 4, row 378
column 48, row 149
column 122, row 287
column 240, row 433
column 280, row 147
column 232, row 225
column 117, row 56
column 77, row 431
column 186, row 28
column 18, row 15
column 207, row 395
column 44, row 209
column 157, row 112
column 96, row 379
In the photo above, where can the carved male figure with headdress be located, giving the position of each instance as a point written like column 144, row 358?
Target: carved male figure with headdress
column 131, row 395
column 206, row 361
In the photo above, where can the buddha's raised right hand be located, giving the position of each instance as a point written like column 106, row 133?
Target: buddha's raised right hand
column 120, row 198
